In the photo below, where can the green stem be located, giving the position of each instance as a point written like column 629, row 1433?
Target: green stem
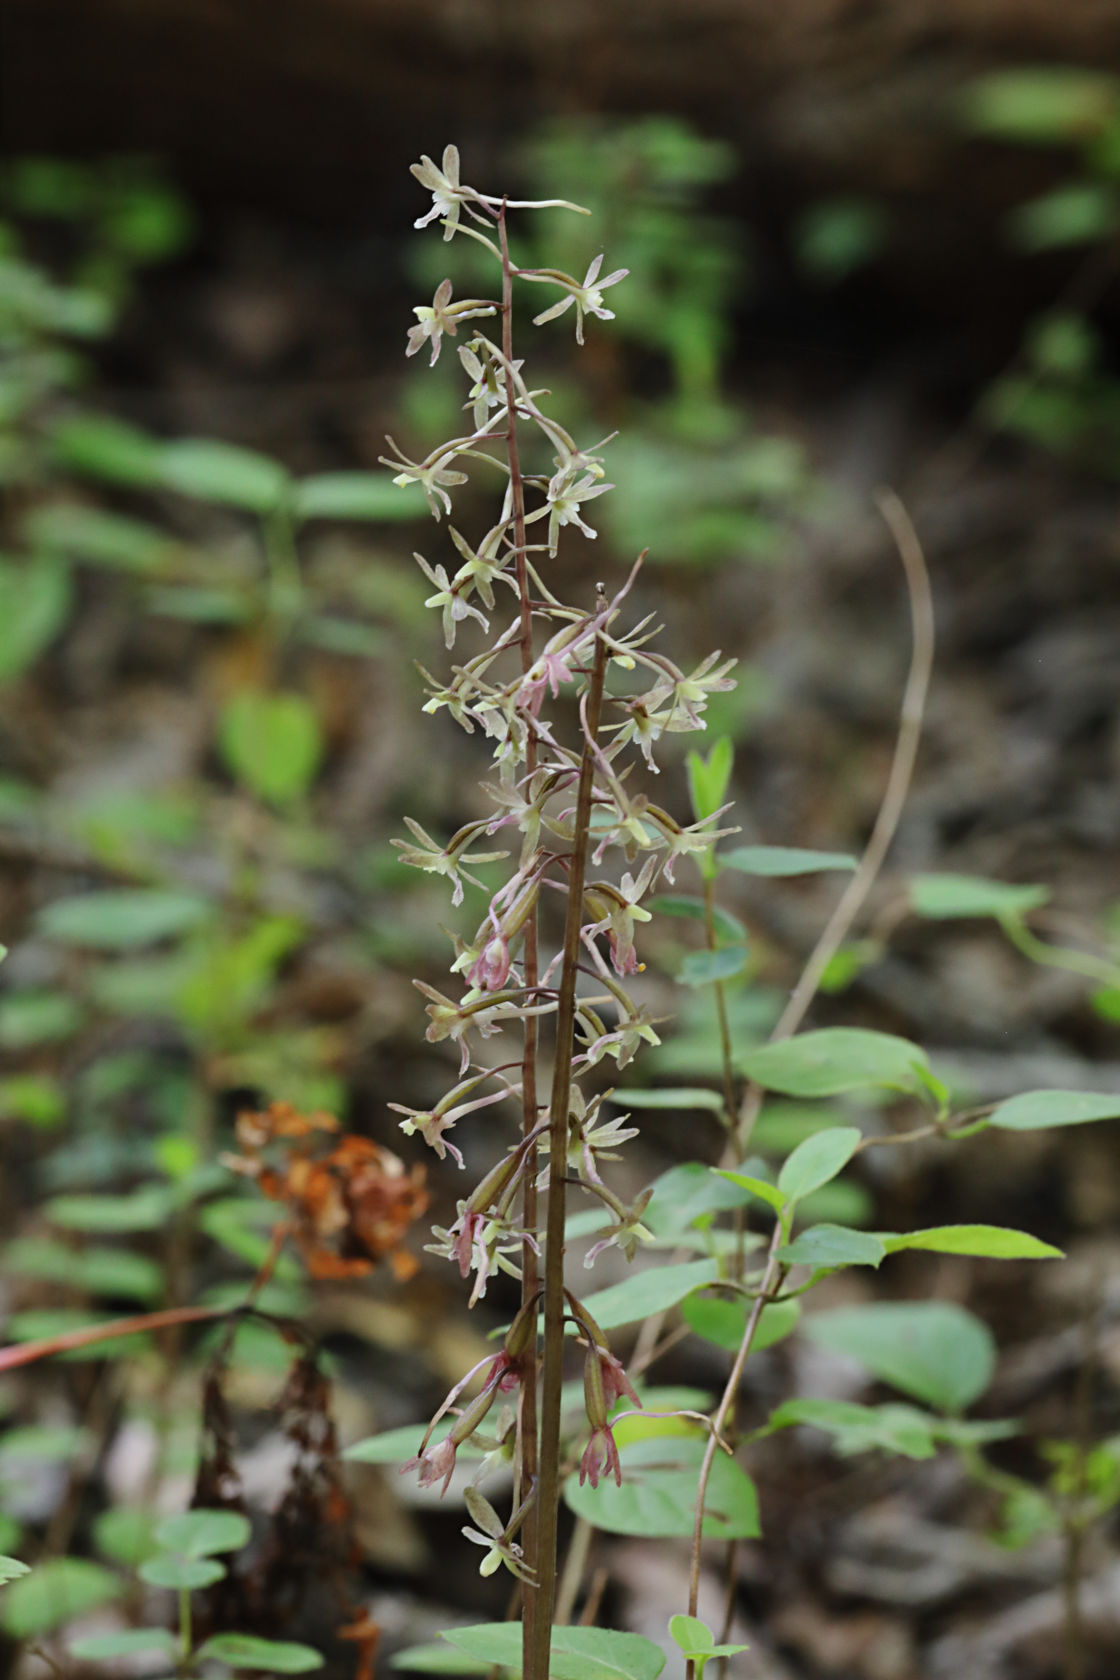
column 549, row 1468
column 1058, row 956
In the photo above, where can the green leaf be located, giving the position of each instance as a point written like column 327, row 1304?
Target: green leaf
column 577, row 1653
column 128, row 1642
column 691, row 1634
column 346, row 636
column 704, row 968
column 818, row 1160
column 760, row 1187
column 56, row 1592
column 724, row 1322
column 272, row 743
column 990, row 1242
column 40, row 1443
column 658, row 1493
column 37, row 1098
column 243, row 1650
column 356, row 495
column 436, row 1658
column 107, row 449
column 125, row 1534
column 1035, row 1110
column 11, row 1569
column 668, row 1097
column 35, row 598
column 200, row 1533
column 836, row 1059
column 647, row 1292
column 31, row 1018
column 181, row 1574
column 198, row 604
column 857, row 1429
column 783, row 860
column 943, row 896
column 396, row 1446
column 692, row 909
column 145, row 1209
column 829, row 1246
column 686, row 1193
column 709, row 778
column 123, row 920
column 835, row 236
column 1041, row 104
column 104, row 539
column 220, row 472
column 1079, row 213
column 935, row 1351
column 97, row 1271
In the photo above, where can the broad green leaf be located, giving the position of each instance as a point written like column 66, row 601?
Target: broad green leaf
column 198, row 604
column 991, row 1242
column 356, row 495
column 272, row 743
column 221, row 472
column 783, row 860
column 1078, row 213
column 835, row 236
column 577, row 1653
column 709, row 777
column 697, row 1642
column 35, row 597
column 668, row 1096
column 41, row 1323
column 181, row 1574
column 397, row 1446
column 856, row 1429
column 436, row 1658
column 658, row 1493
column 35, row 1097
column 145, row 1209
column 31, row 1018
column 346, row 635
column 818, row 1160
column 647, row 1292
column 685, row 1193
column 105, row 539
column 125, row 1534
column 829, row 1246
column 704, row 968
column 244, row 1650
column 942, row 896
column 688, row 908
column 724, row 1322
column 759, row 1187
column 1040, row 104
column 11, row 1569
column 1035, row 1110
column 691, row 1634
column 935, row 1351
column 200, row 1533
column 98, row 1271
column 123, row 920
column 129, row 1642
column 836, row 1059
column 39, row 1443
column 107, row 449
column 54, row 1593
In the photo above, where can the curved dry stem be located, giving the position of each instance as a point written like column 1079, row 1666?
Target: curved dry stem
column 911, row 718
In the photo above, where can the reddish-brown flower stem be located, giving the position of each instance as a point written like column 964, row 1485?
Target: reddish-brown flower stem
column 527, row 1426
column 549, row 1466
